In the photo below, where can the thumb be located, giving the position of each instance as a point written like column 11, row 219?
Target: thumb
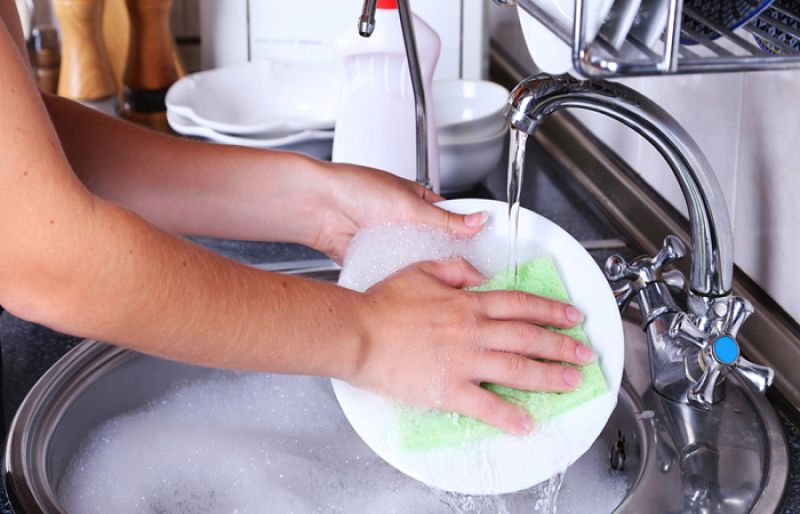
column 455, row 272
column 460, row 224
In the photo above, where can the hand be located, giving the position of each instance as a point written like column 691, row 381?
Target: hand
column 432, row 344
column 359, row 197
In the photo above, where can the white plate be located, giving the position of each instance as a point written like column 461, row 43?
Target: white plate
column 549, row 52
column 263, row 97
column 508, row 463
column 315, row 143
column 620, row 20
column 651, row 22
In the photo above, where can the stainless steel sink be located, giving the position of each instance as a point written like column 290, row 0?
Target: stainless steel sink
column 736, row 463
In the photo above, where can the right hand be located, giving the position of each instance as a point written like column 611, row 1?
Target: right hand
column 431, row 344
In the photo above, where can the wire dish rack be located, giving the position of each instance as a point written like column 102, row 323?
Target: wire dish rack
column 698, row 37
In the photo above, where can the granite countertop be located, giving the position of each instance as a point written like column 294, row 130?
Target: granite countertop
column 28, row 350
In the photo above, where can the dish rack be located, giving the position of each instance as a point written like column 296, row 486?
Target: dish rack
column 689, row 43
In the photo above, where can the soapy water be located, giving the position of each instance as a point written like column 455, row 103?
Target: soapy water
column 377, row 252
column 254, row 443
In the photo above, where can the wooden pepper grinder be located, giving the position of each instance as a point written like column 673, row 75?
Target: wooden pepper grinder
column 151, row 68
column 85, row 70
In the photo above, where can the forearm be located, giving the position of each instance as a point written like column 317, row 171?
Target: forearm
column 191, row 187
column 86, row 266
column 121, row 280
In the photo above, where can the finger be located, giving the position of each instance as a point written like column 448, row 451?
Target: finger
column 521, row 306
column 426, row 194
column 514, row 370
column 534, row 341
column 460, row 224
column 477, row 402
column 455, row 272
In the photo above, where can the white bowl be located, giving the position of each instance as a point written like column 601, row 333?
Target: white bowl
column 263, row 97
column 468, row 108
column 507, row 463
column 464, row 162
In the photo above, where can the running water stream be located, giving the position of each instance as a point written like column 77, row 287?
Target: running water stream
column 516, row 165
column 547, row 494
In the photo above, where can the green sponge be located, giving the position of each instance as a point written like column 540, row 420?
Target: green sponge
column 420, row 430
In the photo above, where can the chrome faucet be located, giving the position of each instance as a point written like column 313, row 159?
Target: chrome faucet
column 366, row 26
column 691, row 351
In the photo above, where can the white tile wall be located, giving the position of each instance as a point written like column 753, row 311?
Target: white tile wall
column 748, row 125
column 768, row 190
column 709, row 108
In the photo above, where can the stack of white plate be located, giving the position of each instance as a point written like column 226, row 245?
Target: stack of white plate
column 294, row 105
column 265, row 104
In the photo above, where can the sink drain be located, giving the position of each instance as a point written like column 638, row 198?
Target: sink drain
column 617, row 453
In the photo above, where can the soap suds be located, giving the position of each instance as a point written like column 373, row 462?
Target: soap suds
column 254, row 443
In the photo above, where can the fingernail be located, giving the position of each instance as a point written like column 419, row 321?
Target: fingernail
column 476, row 219
column 572, row 377
column 584, row 353
column 573, row 314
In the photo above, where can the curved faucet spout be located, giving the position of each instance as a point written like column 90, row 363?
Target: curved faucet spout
column 536, row 98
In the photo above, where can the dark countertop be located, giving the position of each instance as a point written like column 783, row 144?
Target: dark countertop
column 28, row 350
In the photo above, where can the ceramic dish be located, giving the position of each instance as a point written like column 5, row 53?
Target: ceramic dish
column 315, row 143
column 651, row 21
column 264, row 97
column 729, row 13
column 548, row 51
column 620, row 20
column 468, row 108
column 464, row 162
column 505, row 463
column 763, row 23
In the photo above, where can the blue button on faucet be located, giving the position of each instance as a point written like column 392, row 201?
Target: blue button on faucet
column 726, row 350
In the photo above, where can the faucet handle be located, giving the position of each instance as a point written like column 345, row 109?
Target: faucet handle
column 644, row 270
column 720, row 357
column 760, row 377
column 673, row 249
column 631, row 277
column 719, row 351
column 675, row 280
column 618, row 269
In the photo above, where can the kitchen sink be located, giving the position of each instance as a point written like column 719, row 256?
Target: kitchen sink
column 668, row 457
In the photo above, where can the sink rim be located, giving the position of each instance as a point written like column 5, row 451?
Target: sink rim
column 25, row 470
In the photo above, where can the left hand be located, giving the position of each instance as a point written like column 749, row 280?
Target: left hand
column 359, row 197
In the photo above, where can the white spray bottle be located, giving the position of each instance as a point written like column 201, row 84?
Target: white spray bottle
column 376, row 125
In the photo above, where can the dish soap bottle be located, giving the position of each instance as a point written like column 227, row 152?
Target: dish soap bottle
column 376, row 125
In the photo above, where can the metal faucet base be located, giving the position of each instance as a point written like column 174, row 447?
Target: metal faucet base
column 732, row 458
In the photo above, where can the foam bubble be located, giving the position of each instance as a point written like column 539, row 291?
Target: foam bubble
column 253, row 443
column 378, row 252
